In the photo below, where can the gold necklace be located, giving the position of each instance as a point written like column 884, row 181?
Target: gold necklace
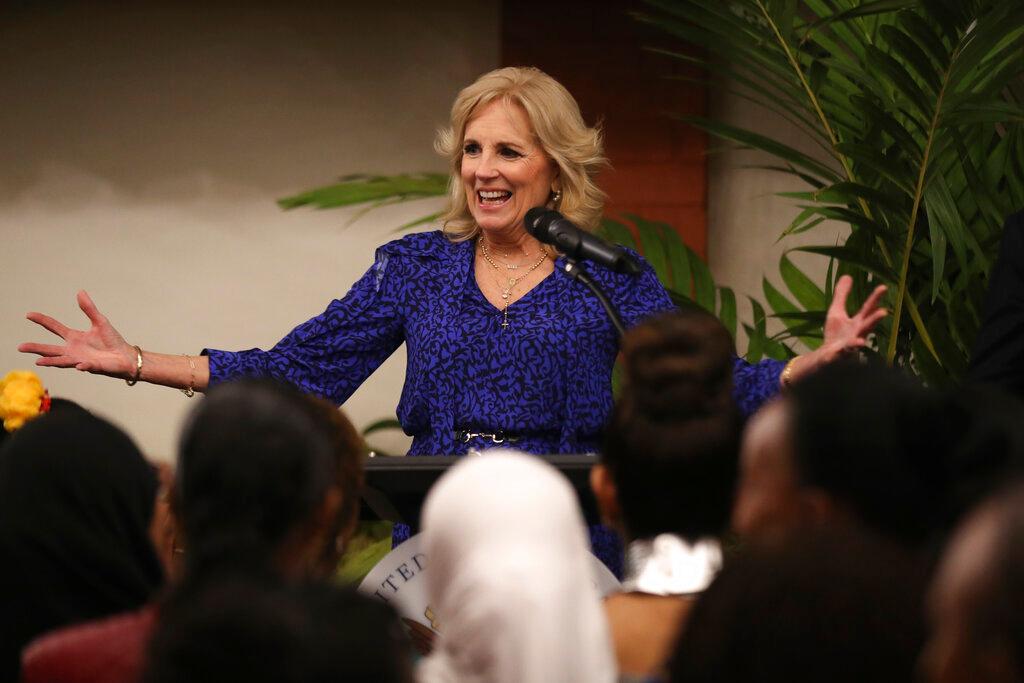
column 506, row 289
column 511, row 266
column 508, row 266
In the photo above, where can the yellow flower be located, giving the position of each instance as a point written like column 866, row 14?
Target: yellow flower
column 21, row 397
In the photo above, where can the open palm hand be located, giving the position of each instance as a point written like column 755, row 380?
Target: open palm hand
column 100, row 349
column 844, row 333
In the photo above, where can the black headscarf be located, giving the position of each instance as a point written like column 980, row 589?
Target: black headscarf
column 76, row 501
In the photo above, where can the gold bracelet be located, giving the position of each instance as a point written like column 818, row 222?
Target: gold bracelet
column 191, row 391
column 787, row 373
column 138, row 367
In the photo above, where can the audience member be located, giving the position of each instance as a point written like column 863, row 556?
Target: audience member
column 827, row 585
column 76, row 504
column 260, row 632
column 809, row 459
column 266, row 485
column 510, row 578
column 256, row 486
column 977, row 625
column 833, row 606
column 667, row 477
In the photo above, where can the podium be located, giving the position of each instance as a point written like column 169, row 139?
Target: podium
column 396, row 486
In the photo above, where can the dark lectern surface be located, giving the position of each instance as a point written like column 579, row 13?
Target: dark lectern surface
column 395, row 487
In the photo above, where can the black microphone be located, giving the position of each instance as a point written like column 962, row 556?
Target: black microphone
column 551, row 227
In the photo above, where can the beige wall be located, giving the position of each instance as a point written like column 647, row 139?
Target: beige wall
column 745, row 218
column 142, row 148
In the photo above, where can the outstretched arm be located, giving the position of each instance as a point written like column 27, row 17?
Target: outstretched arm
column 102, row 350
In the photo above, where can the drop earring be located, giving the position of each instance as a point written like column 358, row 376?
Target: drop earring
column 556, row 196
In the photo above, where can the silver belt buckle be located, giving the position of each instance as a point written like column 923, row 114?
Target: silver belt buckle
column 501, row 437
column 495, row 437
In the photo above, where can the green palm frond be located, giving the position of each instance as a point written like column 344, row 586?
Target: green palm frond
column 373, row 191
column 916, row 109
column 918, row 104
column 690, row 283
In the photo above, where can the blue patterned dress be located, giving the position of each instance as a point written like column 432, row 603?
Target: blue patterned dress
column 546, row 377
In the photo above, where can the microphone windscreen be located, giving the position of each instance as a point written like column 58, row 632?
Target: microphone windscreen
column 535, row 223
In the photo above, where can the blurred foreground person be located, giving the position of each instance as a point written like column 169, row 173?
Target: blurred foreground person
column 256, row 632
column 977, row 622
column 850, row 445
column 982, row 427
column 838, row 607
column 510, row 578
column 266, row 486
column 666, row 479
column 998, row 353
column 77, row 501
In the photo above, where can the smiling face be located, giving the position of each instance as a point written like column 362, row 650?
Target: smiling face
column 505, row 172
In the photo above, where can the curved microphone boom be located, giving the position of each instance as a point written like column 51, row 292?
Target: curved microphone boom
column 551, row 227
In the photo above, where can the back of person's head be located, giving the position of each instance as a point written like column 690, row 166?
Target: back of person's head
column 257, row 478
column 671, row 445
column 511, row 576
column 76, row 503
column 865, row 435
column 834, row 606
column 243, row 630
column 975, row 601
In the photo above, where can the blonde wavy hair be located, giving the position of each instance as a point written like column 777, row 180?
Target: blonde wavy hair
column 558, row 126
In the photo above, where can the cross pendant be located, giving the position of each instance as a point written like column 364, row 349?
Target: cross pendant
column 504, row 319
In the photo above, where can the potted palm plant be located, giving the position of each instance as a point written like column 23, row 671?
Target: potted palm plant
column 915, row 106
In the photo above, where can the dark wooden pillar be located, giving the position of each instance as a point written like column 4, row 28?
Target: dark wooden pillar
column 596, row 49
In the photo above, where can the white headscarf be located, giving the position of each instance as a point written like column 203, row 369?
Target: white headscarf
column 510, row 577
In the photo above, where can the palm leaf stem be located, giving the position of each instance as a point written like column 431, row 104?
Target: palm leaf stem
column 795, row 64
column 901, row 284
column 886, row 254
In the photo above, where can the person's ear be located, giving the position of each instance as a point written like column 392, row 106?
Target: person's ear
column 346, row 529
column 555, row 196
column 606, row 494
column 163, row 524
column 321, row 552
